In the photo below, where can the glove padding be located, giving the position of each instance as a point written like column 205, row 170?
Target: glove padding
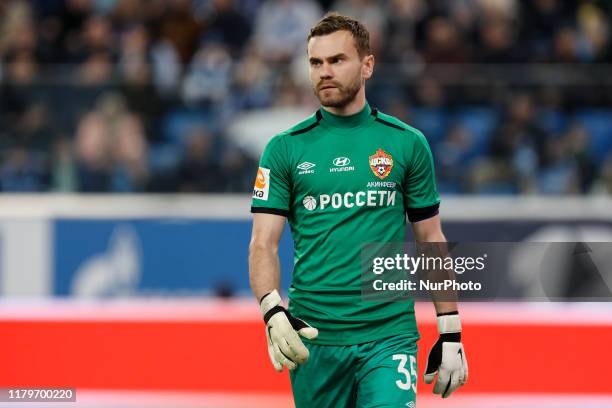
column 285, row 347
column 447, row 358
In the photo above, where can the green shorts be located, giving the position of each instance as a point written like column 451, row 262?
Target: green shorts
column 379, row 374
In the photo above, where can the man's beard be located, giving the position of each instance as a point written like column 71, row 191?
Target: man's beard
column 343, row 96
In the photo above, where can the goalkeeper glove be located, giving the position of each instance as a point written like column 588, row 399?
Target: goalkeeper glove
column 285, row 347
column 447, row 358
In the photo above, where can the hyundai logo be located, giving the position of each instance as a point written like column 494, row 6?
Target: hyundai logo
column 341, row 161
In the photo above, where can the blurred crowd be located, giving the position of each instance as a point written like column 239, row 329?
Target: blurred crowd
column 137, row 95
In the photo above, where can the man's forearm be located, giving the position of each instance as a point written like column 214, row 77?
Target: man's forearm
column 438, row 247
column 264, row 269
column 445, row 307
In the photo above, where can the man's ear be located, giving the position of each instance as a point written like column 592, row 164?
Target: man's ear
column 367, row 68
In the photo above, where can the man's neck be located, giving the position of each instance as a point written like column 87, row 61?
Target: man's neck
column 355, row 106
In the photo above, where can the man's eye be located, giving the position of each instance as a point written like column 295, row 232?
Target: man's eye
column 315, row 63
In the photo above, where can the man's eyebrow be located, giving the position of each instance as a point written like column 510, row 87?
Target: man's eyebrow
column 333, row 57
column 337, row 56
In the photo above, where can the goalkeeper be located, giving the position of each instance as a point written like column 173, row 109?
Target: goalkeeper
column 347, row 175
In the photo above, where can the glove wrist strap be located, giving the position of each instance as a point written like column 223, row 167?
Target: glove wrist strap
column 272, row 312
column 450, row 337
column 449, row 323
column 269, row 301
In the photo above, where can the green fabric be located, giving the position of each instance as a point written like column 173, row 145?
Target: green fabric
column 381, row 374
column 343, row 182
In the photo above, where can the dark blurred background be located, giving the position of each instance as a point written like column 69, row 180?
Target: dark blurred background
column 141, row 96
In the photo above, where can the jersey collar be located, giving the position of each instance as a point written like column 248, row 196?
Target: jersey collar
column 350, row 121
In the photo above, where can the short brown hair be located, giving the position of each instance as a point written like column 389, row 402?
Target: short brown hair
column 333, row 22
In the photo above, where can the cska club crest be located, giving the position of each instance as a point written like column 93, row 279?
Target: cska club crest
column 381, row 163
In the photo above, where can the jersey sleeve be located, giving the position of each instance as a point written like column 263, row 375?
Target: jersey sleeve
column 421, row 199
column 272, row 192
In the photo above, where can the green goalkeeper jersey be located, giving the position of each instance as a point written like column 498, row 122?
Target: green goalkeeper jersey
column 343, row 181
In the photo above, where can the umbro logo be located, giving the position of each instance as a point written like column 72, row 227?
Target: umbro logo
column 306, row 167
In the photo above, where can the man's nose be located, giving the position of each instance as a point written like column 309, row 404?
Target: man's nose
column 326, row 71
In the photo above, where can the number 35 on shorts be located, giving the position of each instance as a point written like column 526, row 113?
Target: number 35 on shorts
column 406, row 368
